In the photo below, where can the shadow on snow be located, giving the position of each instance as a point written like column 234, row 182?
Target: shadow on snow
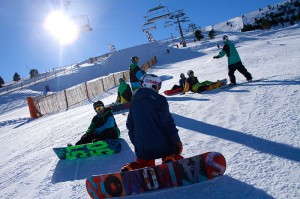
column 260, row 144
column 82, row 168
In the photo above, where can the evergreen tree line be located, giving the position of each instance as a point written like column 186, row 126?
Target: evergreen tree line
column 288, row 13
column 199, row 35
column 33, row 73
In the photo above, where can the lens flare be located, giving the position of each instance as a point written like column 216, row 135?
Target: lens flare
column 63, row 29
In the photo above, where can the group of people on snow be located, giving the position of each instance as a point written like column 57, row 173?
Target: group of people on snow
column 150, row 125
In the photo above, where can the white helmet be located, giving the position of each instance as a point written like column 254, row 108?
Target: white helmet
column 151, row 81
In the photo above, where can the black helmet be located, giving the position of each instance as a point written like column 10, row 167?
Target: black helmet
column 182, row 75
column 225, row 38
column 190, row 72
column 134, row 59
column 121, row 80
column 98, row 103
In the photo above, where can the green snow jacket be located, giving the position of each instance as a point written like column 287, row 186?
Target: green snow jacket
column 230, row 51
column 124, row 93
column 103, row 123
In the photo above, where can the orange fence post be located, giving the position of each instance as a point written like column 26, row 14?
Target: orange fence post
column 32, row 108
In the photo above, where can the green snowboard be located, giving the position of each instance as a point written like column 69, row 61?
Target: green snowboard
column 100, row 148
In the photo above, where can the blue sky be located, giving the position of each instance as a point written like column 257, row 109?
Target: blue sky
column 25, row 44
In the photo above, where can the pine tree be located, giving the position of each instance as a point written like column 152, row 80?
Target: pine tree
column 198, row 34
column 16, row 77
column 33, row 73
column 1, row 82
column 211, row 34
column 265, row 24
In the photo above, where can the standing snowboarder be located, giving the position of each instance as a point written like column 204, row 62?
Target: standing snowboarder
column 124, row 92
column 234, row 61
column 151, row 127
column 135, row 73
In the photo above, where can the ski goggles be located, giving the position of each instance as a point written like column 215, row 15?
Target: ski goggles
column 99, row 108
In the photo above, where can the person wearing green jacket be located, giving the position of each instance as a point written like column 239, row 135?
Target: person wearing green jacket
column 234, row 61
column 124, row 92
column 135, row 73
column 102, row 127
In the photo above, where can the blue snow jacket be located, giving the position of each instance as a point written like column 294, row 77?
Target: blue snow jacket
column 150, row 125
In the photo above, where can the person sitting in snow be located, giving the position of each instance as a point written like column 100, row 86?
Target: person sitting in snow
column 124, row 92
column 102, row 127
column 151, row 128
column 192, row 84
column 234, row 61
column 181, row 82
column 135, row 73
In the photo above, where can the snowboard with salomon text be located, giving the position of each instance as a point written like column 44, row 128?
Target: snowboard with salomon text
column 174, row 174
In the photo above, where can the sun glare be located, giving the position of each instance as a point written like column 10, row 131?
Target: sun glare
column 64, row 29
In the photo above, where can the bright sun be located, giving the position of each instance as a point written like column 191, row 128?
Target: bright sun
column 64, row 29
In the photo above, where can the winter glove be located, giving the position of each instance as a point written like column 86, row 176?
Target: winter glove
column 216, row 57
column 178, row 148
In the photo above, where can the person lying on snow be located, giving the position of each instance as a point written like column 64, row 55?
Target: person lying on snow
column 192, row 84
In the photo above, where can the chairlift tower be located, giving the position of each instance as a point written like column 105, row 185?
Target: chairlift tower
column 178, row 16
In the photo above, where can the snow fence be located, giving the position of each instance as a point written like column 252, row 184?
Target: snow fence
column 76, row 95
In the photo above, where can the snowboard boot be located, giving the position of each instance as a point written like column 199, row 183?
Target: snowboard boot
column 95, row 140
column 138, row 165
column 232, row 84
column 69, row 144
column 127, row 167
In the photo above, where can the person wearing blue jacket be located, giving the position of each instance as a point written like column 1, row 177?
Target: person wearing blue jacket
column 151, row 127
column 181, row 82
column 234, row 61
column 135, row 73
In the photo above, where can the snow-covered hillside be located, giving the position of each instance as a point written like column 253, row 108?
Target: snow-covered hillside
column 256, row 126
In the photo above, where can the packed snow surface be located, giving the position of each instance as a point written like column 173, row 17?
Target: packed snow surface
column 256, row 126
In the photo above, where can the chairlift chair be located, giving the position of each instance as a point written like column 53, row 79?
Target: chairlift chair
column 149, row 26
column 157, row 13
column 168, row 24
column 177, row 14
column 83, row 22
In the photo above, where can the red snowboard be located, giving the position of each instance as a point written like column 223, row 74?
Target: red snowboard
column 174, row 174
column 172, row 92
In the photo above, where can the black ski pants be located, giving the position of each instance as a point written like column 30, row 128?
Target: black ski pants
column 241, row 68
column 90, row 137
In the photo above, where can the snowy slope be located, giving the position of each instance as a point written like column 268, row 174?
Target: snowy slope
column 256, row 126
